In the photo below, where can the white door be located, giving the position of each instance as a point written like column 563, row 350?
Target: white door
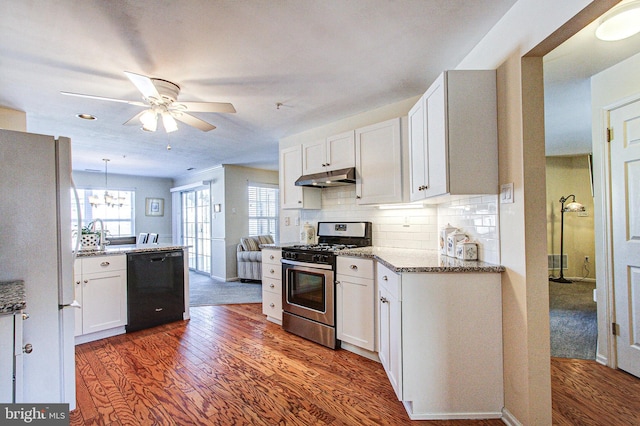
column 625, row 202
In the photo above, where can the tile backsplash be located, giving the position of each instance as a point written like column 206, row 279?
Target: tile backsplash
column 477, row 216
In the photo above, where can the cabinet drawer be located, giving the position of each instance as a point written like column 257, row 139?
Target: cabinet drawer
column 272, row 305
column 355, row 267
column 388, row 280
column 273, row 286
column 273, row 271
column 272, row 257
column 103, row 263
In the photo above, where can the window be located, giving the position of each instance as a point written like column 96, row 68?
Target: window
column 263, row 209
column 118, row 219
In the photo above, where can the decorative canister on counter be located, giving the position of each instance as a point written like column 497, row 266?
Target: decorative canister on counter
column 466, row 250
column 307, row 234
column 453, row 239
column 443, row 237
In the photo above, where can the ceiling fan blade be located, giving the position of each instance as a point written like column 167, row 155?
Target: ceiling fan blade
column 135, row 119
column 193, row 121
column 102, row 98
column 144, row 84
column 206, row 106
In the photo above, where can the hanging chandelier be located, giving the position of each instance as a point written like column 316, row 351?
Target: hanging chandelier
column 108, row 199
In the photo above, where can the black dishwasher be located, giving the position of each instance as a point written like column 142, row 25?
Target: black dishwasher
column 155, row 288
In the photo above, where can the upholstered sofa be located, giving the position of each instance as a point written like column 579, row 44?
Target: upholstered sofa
column 250, row 257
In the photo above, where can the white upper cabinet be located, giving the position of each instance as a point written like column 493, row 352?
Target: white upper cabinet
column 453, row 136
column 292, row 196
column 379, row 163
column 333, row 153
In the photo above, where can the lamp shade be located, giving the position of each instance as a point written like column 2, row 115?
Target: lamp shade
column 574, row 207
column 620, row 22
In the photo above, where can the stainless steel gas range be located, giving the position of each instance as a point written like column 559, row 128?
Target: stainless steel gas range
column 308, row 280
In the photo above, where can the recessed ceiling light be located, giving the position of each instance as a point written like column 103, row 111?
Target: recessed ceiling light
column 86, row 116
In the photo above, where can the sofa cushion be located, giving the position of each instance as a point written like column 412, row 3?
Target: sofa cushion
column 265, row 239
column 250, row 243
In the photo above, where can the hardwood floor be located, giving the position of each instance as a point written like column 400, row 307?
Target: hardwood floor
column 229, row 366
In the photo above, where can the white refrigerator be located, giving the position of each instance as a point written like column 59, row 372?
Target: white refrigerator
column 36, row 247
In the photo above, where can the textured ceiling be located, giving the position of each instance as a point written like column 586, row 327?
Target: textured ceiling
column 323, row 60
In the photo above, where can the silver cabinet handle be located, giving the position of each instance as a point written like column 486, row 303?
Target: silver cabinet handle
column 358, row 197
column 385, row 278
column 78, row 282
column 86, row 281
column 353, row 267
column 158, row 309
column 384, row 300
column 28, row 348
column 272, row 257
column 25, row 316
column 105, row 264
column 272, row 271
column 272, row 285
column 338, row 283
column 299, row 201
column 272, row 305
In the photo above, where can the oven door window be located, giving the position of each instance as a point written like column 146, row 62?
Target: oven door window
column 307, row 289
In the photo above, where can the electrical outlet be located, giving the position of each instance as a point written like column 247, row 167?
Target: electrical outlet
column 586, row 259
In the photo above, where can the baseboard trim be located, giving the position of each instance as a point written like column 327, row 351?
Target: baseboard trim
column 509, row 419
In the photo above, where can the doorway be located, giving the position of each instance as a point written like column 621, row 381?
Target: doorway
column 572, row 308
column 196, row 228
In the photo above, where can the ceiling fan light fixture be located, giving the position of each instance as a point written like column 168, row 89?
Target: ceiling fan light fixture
column 149, row 120
column 169, row 122
column 620, row 22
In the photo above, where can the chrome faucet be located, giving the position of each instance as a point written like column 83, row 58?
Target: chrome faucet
column 102, row 232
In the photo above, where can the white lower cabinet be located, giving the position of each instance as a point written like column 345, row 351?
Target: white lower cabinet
column 101, row 290
column 355, row 302
column 272, row 285
column 441, row 342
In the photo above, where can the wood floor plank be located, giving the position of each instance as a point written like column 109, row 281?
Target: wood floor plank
column 229, row 366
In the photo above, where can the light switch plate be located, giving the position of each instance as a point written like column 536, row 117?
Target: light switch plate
column 506, row 193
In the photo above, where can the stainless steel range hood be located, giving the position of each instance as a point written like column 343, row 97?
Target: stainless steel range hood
column 329, row 179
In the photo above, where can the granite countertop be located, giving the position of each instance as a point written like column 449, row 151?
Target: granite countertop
column 12, row 297
column 129, row 248
column 406, row 260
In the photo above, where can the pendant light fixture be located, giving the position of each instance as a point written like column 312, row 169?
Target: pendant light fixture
column 619, row 23
column 108, row 199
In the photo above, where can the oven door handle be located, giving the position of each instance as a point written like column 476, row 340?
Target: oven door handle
column 306, row 264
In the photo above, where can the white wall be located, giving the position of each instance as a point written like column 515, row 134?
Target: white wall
column 228, row 185
column 144, row 187
column 608, row 87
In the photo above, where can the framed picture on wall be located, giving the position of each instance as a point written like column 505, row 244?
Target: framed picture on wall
column 154, row 207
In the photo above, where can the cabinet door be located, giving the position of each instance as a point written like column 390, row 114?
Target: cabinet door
column 436, row 139
column 379, row 163
column 77, row 287
column 6, row 359
column 418, row 176
column 292, row 196
column 390, row 343
column 314, row 157
column 341, row 151
column 104, row 300
column 355, row 301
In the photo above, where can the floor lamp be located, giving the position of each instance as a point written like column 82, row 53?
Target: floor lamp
column 570, row 207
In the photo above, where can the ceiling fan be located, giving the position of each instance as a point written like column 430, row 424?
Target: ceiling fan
column 160, row 99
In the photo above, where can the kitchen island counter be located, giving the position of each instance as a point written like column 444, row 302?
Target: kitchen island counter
column 129, row 248
column 419, row 261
